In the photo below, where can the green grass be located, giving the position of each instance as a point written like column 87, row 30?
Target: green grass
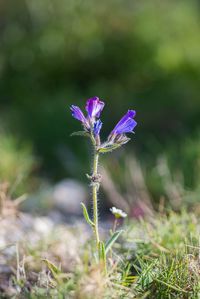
column 154, row 258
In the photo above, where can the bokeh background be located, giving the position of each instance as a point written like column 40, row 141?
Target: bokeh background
column 142, row 55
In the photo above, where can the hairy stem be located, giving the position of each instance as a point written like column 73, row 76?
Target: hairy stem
column 115, row 225
column 95, row 187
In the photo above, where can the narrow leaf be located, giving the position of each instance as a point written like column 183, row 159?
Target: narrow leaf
column 102, row 255
column 55, row 271
column 176, row 288
column 108, row 148
column 86, row 215
column 51, row 266
column 112, row 240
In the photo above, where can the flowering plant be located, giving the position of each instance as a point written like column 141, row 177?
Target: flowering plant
column 118, row 213
column 92, row 127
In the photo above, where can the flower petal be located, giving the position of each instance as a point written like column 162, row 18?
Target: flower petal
column 97, row 127
column 118, row 213
column 129, row 114
column 94, row 107
column 126, row 124
column 126, row 127
column 78, row 114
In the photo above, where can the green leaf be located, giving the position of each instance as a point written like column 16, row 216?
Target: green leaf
column 108, row 148
column 81, row 133
column 102, row 255
column 112, row 240
column 86, row 216
column 55, row 271
column 51, row 266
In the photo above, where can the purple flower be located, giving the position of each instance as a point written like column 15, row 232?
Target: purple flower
column 94, row 107
column 125, row 125
column 97, row 127
column 78, row 114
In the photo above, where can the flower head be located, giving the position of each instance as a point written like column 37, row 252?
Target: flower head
column 92, row 125
column 94, row 107
column 126, row 124
column 118, row 213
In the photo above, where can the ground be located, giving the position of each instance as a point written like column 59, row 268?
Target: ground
column 42, row 257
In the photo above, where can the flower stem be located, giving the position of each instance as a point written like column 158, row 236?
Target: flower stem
column 115, row 223
column 95, row 187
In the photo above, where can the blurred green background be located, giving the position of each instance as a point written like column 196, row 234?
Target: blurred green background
column 142, row 55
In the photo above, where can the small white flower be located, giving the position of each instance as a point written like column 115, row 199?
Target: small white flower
column 118, row 213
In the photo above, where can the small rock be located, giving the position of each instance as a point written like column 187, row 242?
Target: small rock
column 43, row 225
column 68, row 195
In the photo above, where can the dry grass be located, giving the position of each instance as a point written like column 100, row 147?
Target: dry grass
column 154, row 258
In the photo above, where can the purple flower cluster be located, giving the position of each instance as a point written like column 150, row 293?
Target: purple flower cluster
column 94, row 108
column 93, row 124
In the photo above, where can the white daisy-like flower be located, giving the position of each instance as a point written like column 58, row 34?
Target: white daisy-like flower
column 118, row 213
